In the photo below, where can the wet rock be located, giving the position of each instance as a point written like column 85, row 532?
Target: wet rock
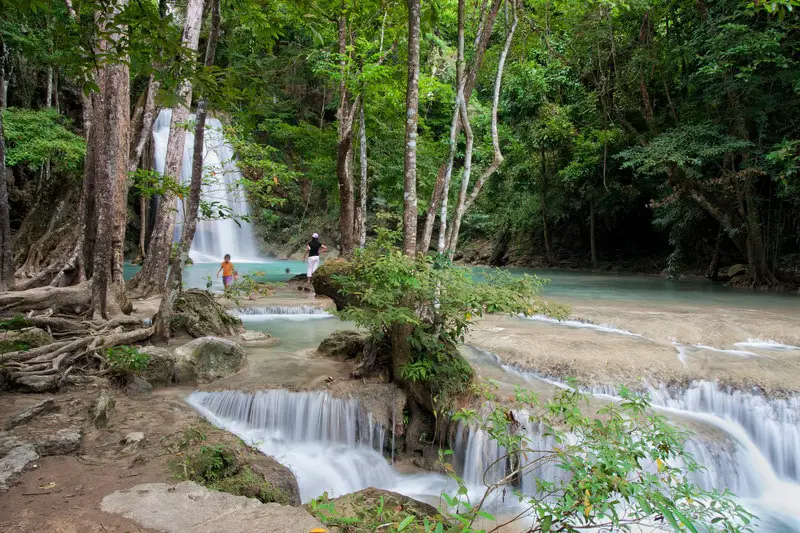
column 254, row 336
column 45, row 406
column 160, row 367
column 15, row 462
column 102, row 410
column 138, row 387
column 278, row 476
column 24, row 339
column 191, row 508
column 36, row 383
column 207, row 359
column 62, row 442
column 347, row 344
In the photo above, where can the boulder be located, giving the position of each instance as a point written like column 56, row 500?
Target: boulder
column 347, row 344
column 102, row 410
column 27, row 383
column 199, row 314
column 255, row 336
column 160, row 367
column 62, row 442
column 138, row 387
column 207, row 359
column 279, row 477
column 325, row 284
column 8, row 442
column 45, row 406
column 23, row 339
column 737, row 270
column 15, row 462
column 364, row 502
column 190, row 508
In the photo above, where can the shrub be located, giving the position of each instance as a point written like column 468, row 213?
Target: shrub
column 127, row 360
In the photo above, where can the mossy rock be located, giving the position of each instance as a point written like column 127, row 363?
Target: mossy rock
column 207, row 359
column 325, row 285
column 198, row 314
column 23, row 339
column 373, row 507
column 220, row 461
column 347, row 344
column 160, row 367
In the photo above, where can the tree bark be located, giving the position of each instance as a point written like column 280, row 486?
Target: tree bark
column 152, row 277
column 344, row 172
column 481, row 42
column 713, row 268
column 592, row 240
column 362, row 189
column 412, row 117
column 142, row 125
column 543, row 201
column 173, row 287
column 6, row 245
column 111, row 173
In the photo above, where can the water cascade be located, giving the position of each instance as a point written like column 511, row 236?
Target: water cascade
column 301, row 312
column 221, row 176
column 329, row 443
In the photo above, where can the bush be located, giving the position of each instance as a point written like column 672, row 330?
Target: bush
column 126, row 360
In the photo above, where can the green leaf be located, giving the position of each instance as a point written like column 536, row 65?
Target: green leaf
column 405, row 523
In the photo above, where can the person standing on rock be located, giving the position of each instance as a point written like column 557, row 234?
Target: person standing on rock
column 313, row 249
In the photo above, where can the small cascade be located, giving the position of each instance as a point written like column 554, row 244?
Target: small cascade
column 287, row 312
column 221, row 186
column 579, row 324
column 329, row 443
column 772, row 425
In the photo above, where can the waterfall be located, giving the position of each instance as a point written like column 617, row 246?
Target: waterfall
column 221, row 177
column 300, row 312
column 330, row 444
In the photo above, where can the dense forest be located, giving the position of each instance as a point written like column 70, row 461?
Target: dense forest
column 623, row 134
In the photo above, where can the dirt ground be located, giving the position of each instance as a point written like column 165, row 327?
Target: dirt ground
column 62, row 494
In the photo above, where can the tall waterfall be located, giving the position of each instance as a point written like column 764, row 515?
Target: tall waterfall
column 329, row 443
column 221, row 176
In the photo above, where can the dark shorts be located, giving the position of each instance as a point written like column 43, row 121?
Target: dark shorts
column 227, row 280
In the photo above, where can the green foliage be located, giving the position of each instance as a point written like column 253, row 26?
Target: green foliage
column 437, row 301
column 248, row 286
column 127, row 359
column 14, row 323
column 35, row 137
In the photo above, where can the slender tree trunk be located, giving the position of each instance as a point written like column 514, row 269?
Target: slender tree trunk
column 142, row 125
column 481, row 42
column 713, row 268
column 152, row 276
column 543, row 201
column 592, row 241
column 346, row 115
column 464, row 202
column 49, row 97
column 362, row 189
column 412, row 117
column 6, row 245
column 452, row 237
column 143, row 225
column 457, row 115
column 173, row 287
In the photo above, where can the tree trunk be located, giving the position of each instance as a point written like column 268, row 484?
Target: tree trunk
column 142, row 125
column 592, row 241
column 173, row 287
column 6, row 245
column 713, row 268
column 110, row 180
column 412, row 117
column 452, row 237
column 344, row 171
column 152, row 277
column 481, row 42
column 362, row 189
column 543, row 201
column 142, row 225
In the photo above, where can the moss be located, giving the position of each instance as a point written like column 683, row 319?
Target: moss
column 246, row 483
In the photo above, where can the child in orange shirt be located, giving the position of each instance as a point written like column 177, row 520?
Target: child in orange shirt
column 227, row 271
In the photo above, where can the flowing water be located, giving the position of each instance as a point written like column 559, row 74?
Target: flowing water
column 221, row 191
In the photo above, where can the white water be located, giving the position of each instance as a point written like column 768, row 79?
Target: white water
column 578, row 324
column 221, row 177
column 302, row 312
column 330, row 444
column 766, row 344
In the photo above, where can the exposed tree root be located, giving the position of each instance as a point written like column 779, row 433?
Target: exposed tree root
column 73, row 299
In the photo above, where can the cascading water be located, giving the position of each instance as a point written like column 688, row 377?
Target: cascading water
column 221, row 177
column 329, row 443
column 300, row 312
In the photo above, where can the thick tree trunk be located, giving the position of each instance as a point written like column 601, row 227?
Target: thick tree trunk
column 481, row 42
column 6, row 245
column 110, row 182
column 173, row 287
column 344, row 171
column 152, row 277
column 412, row 117
column 362, row 189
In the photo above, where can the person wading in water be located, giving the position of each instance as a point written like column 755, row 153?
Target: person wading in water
column 228, row 272
column 313, row 249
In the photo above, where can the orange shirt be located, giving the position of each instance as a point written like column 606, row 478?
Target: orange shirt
column 227, row 268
